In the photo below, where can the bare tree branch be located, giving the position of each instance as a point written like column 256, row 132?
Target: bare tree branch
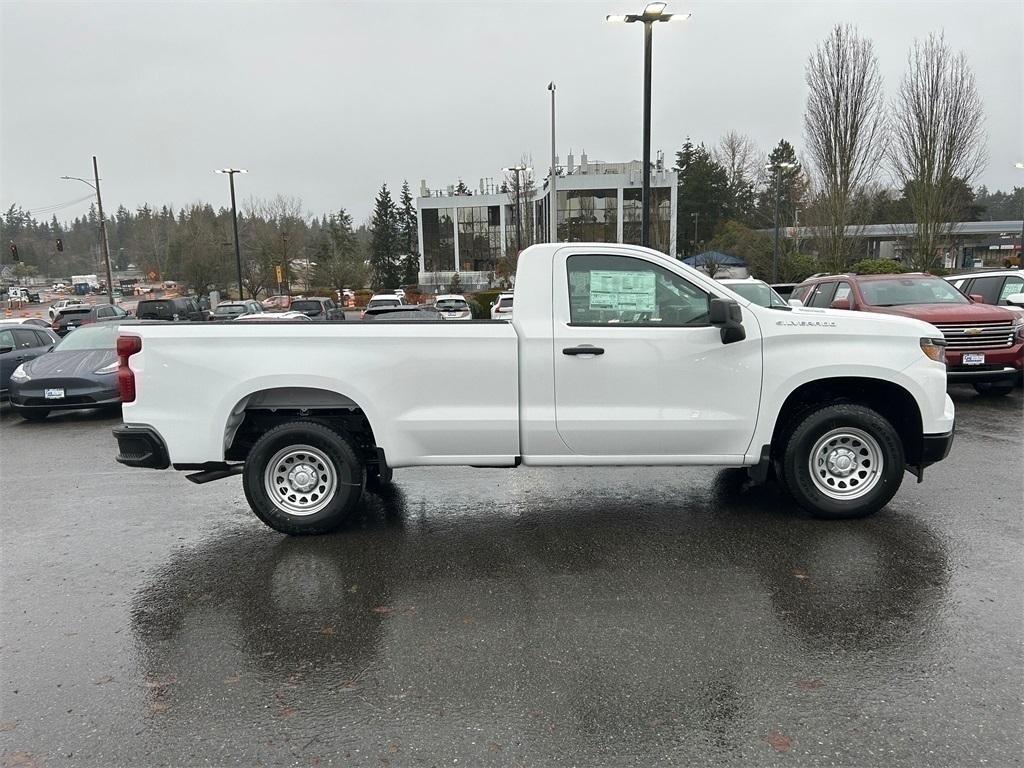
column 845, row 132
column 938, row 142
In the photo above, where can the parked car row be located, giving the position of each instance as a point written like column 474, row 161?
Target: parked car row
column 984, row 343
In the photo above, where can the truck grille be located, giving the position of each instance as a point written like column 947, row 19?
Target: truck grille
column 971, row 336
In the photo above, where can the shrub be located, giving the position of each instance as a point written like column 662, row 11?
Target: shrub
column 481, row 302
column 877, row 267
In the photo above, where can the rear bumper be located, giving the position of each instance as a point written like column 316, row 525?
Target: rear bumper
column 141, row 446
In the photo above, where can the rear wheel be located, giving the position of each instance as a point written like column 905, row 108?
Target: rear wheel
column 993, row 388
column 303, row 478
column 843, row 461
column 33, row 414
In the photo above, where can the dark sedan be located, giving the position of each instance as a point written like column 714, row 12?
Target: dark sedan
column 19, row 343
column 80, row 372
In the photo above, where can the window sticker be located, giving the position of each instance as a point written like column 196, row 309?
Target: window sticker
column 619, row 291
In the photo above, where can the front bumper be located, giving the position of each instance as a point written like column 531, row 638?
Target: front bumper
column 934, row 448
column 141, row 446
column 989, row 373
column 78, row 393
column 1000, row 365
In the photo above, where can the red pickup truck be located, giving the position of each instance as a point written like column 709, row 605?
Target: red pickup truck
column 985, row 344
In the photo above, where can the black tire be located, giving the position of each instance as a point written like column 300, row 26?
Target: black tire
column 348, row 470
column 32, row 414
column 797, row 456
column 993, row 388
column 377, row 480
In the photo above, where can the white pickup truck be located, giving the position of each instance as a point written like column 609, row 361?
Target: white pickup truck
column 616, row 355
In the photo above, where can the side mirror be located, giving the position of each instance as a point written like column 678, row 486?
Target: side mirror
column 977, row 298
column 727, row 315
column 1015, row 299
column 795, row 303
column 840, row 304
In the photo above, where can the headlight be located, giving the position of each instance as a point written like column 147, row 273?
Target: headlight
column 934, row 349
column 20, row 375
column 110, row 368
column 1019, row 325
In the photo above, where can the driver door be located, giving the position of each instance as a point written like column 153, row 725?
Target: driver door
column 639, row 370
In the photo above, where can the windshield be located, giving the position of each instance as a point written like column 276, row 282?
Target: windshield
column 910, row 290
column 97, row 336
column 307, row 306
column 229, row 310
column 451, row 305
column 759, row 293
column 384, row 303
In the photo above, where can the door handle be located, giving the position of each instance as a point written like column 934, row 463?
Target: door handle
column 584, row 349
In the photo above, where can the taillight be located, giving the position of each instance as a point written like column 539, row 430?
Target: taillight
column 126, row 347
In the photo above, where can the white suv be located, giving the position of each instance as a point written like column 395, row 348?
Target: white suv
column 501, row 309
column 995, row 287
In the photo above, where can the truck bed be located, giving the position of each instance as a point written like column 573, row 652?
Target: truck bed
column 439, row 392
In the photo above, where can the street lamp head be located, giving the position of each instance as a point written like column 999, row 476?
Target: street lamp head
column 654, row 9
column 231, row 170
column 551, row 85
column 615, row 17
column 676, row 16
column 1018, row 165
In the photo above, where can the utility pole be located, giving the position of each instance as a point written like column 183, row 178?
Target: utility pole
column 103, row 232
column 552, row 194
column 103, row 223
column 234, row 223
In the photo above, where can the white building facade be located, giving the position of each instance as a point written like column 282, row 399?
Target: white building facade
column 471, row 235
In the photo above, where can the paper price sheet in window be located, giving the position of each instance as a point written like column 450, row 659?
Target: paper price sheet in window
column 622, row 291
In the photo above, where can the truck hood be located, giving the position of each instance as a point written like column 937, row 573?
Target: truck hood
column 949, row 313
column 806, row 318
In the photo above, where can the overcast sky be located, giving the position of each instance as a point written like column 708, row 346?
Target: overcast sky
column 326, row 101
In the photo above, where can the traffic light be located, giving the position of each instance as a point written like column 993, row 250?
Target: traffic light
column 60, row 244
column 14, row 252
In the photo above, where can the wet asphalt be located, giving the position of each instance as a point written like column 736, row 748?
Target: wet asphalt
column 649, row 617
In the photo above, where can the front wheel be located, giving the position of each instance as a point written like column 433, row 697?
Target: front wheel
column 993, row 388
column 843, row 461
column 303, row 478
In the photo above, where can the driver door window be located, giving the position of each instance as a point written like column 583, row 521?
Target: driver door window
column 622, row 291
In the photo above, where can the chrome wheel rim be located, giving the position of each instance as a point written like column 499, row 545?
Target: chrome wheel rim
column 300, row 479
column 846, row 463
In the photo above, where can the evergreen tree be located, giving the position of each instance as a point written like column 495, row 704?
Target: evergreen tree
column 410, row 266
column 792, row 188
column 704, row 191
column 385, row 247
column 462, row 189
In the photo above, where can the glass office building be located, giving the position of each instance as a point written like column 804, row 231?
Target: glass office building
column 471, row 234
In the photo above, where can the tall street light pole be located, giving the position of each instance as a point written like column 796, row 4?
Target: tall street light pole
column 654, row 12
column 1020, row 255
column 103, row 224
column 777, row 168
column 552, row 195
column 234, row 223
column 517, row 169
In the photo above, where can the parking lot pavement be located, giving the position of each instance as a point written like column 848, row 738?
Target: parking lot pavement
column 510, row 617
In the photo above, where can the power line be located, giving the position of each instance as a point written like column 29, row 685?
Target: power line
column 47, row 209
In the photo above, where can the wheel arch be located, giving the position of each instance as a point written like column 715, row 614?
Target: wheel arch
column 264, row 408
column 892, row 401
